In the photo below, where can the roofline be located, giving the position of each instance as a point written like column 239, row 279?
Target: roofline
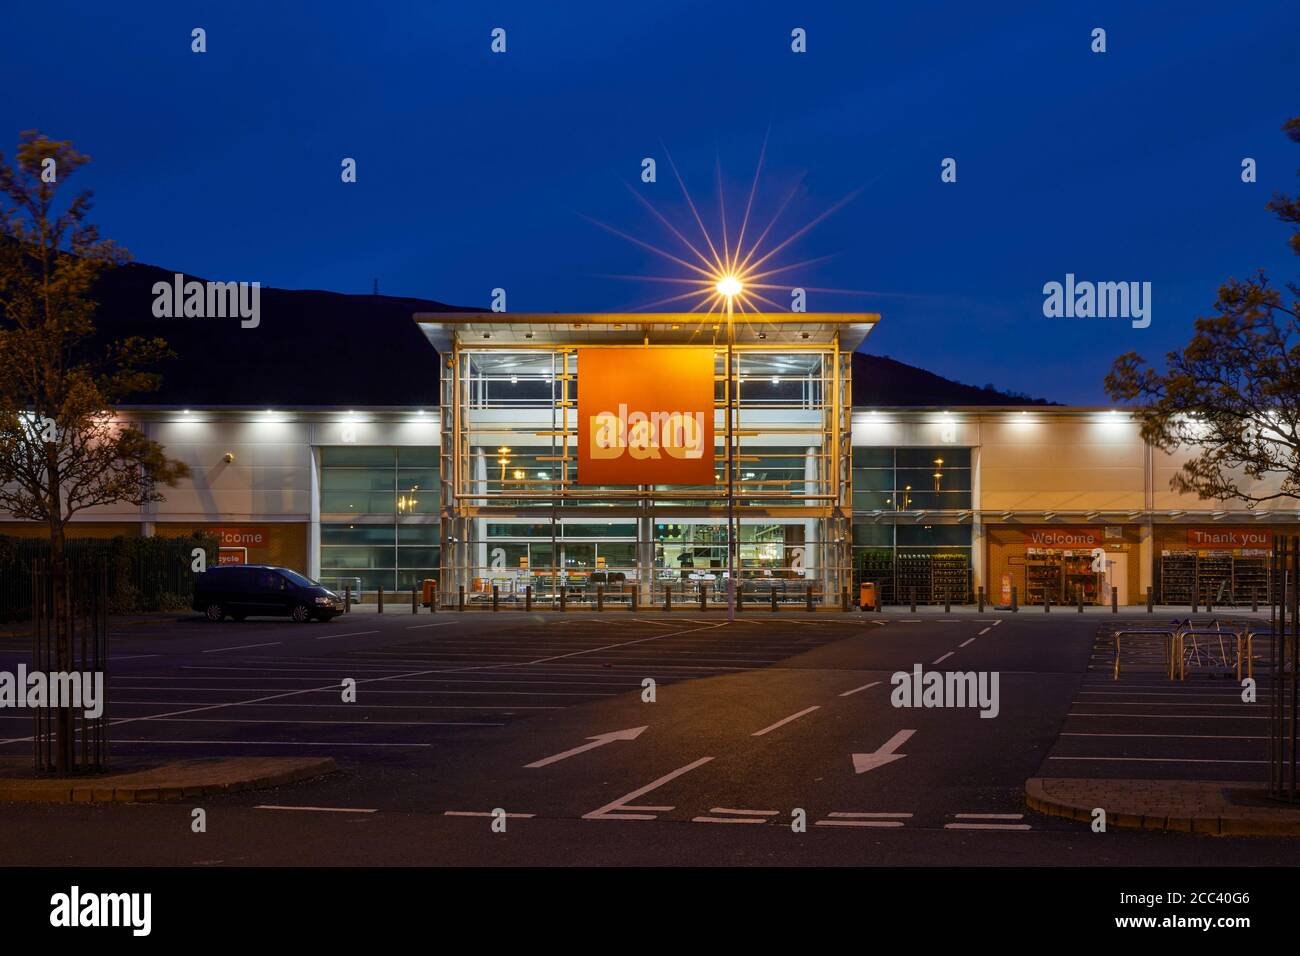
column 644, row 318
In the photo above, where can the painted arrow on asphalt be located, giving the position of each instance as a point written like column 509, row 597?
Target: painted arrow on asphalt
column 632, row 733
column 864, row 762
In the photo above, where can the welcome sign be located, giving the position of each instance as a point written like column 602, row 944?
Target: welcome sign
column 645, row 416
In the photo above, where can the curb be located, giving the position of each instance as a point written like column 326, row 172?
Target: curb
column 1212, row 824
column 90, row 790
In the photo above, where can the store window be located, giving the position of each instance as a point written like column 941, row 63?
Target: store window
column 379, row 509
column 911, row 479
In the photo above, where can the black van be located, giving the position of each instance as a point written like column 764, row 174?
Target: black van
column 245, row 590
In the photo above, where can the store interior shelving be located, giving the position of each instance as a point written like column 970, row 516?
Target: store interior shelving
column 1177, row 575
column 1042, row 576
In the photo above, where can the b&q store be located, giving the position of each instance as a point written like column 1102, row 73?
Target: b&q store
column 650, row 451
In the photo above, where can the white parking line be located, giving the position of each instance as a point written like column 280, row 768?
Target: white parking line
column 940, row 660
column 1171, row 736
column 989, row 816
column 488, row 813
column 785, row 720
column 986, row 630
column 848, row 693
column 272, row 806
column 971, row 641
column 617, row 809
column 261, row 743
column 416, row 627
column 330, row 637
column 987, row 826
column 241, row 647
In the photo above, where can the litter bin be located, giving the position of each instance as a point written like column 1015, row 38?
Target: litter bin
column 867, row 596
column 430, row 589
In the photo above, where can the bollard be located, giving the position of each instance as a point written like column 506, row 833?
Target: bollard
column 415, row 600
column 1015, row 598
column 528, row 597
column 981, row 598
column 1079, row 594
column 947, row 602
column 460, row 598
column 347, row 599
column 913, row 600
column 808, row 594
column 740, row 596
column 704, row 596
column 564, row 598
column 773, row 593
column 844, row 599
column 1047, row 601
column 1254, row 599
column 600, row 597
column 1114, row 600
column 496, row 599
column 668, row 597
column 433, row 600
column 632, row 597
column 381, row 599
column 1196, row 589
column 1151, row 601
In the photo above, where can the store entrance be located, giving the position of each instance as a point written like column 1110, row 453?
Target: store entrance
column 772, row 558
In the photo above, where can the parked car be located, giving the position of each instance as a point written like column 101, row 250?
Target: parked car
column 247, row 590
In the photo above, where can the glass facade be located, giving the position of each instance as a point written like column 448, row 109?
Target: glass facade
column 899, row 543
column 379, row 514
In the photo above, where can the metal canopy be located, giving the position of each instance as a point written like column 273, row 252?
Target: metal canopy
column 659, row 328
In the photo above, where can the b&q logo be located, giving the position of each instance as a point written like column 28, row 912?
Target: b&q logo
column 645, row 416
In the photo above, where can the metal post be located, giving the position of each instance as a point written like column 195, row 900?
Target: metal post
column 460, row 598
column 347, row 599
column 564, row 598
column 381, row 599
column 1114, row 600
column 913, row 600
column 1151, row 599
column 632, row 595
column 947, row 601
column 528, row 597
column 668, row 597
column 1078, row 591
column 844, row 599
column 496, row 598
column 740, row 597
column 1047, row 600
column 704, row 596
column 1015, row 598
column 600, row 597
column 773, row 593
column 981, row 598
column 732, row 544
column 415, row 600
column 1196, row 587
column 808, row 593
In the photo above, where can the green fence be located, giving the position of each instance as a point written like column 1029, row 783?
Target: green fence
column 144, row 574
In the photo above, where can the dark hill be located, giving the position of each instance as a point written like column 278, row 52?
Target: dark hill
column 316, row 348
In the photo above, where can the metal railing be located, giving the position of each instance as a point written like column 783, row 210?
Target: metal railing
column 1281, row 670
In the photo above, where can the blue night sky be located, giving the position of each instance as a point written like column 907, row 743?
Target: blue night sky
column 477, row 170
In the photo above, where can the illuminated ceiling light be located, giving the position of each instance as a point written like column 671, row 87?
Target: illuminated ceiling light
column 729, row 286
column 1216, row 515
column 776, row 379
column 514, row 379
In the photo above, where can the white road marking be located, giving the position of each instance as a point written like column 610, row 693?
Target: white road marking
column 1174, row 716
column 241, row 647
column 632, row 733
column 870, row 815
column 752, row 813
column 610, row 810
column 986, row 630
column 330, row 637
column 758, row 820
column 416, row 627
column 488, row 813
column 271, row 806
column 859, row 823
column 884, row 755
column 262, row 743
column 940, row 660
column 971, row 641
column 987, row 826
column 848, row 693
column 989, row 816
column 785, row 720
